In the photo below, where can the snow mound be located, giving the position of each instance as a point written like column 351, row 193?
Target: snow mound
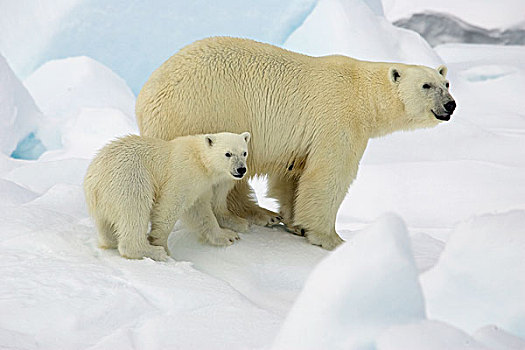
column 352, row 28
column 134, row 37
column 427, row 335
column 85, row 105
column 479, row 278
column 61, row 88
column 89, row 131
column 19, row 115
column 365, row 286
column 41, row 176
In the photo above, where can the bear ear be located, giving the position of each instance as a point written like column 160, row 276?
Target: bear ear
column 442, row 70
column 246, row 135
column 394, row 75
column 210, row 140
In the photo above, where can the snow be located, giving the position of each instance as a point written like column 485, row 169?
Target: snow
column 351, row 26
column 114, row 33
column 19, row 115
column 359, row 290
column 428, row 335
column 479, row 278
column 444, row 271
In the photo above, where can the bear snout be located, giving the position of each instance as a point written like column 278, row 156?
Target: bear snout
column 450, row 106
column 241, row 170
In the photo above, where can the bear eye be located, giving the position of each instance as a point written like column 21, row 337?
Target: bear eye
column 426, row 86
column 447, row 85
column 228, row 154
column 244, row 154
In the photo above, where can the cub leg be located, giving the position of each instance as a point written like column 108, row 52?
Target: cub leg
column 132, row 232
column 225, row 218
column 106, row 233
column 164, row 214
column 200, row 218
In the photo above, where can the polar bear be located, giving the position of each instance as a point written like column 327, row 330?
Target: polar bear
column 134, row 180
column 310, row 117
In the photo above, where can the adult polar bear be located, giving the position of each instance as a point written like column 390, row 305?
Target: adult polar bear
column 310, row 118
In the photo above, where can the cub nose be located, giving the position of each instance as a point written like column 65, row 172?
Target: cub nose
column 450, row 106
column 241, row 170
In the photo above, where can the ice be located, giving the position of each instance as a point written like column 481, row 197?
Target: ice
column 355, row 30
column 114, row 33
column 365, row 286
column 19, row 115
column 479, row 278
column 62, row 88
column 59, row 290
column 77, row 95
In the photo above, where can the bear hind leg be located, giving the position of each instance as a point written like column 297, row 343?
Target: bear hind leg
column 241, row 202
column 106, row 234
column 284, row 190
column 133, row 242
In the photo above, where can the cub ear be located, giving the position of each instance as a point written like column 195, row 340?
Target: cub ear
column 394, row 75
column 210, row 140
column 246, row 135
column 442, row 70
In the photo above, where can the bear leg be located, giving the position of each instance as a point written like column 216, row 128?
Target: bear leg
column 283, row 189
column 106, row 234
column 200, row 218
column 225, row 217
column 242, row 202
column 320, row 191
column 133, row 242
column 164, row 215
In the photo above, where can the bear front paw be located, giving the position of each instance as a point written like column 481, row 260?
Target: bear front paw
column 222, row 237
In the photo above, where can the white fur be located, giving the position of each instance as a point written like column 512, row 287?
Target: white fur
column 311, row 118
column 135, row 180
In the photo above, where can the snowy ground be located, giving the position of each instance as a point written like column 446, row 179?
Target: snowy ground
column 444, row 270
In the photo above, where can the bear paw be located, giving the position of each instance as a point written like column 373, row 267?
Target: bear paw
column 328, row 242
column 233, row 222
column 222, row 237
column 152, row 252
column 264, row 217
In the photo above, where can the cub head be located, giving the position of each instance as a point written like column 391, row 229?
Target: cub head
column 227, row 153
column 424, row 93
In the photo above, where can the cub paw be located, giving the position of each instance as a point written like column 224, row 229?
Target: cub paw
column 223, row 237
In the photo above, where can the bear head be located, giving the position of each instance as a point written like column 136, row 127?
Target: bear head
column 227, row 153
column 424, row 93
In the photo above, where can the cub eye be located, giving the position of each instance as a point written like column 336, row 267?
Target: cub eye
column 426, row 86
column 244, row 154
column 447, row 85
column 228, row 154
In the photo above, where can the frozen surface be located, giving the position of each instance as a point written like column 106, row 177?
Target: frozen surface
column 134, row 37
column 360, row 289
column 463, row 180
column 479, row 278
column 19, row 115
column 356, row 30
column 428, row 335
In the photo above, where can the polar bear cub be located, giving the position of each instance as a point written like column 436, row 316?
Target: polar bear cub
column 136, row 180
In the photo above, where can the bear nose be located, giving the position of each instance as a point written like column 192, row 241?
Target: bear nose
column 241, row 171
column 450, row 106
